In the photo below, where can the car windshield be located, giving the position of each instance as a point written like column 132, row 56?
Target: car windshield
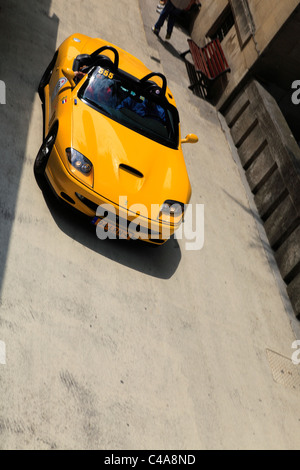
column 135, row 105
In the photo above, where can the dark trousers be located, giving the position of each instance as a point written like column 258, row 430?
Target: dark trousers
column 171, row 12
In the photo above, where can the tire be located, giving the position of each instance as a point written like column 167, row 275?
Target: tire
column 44, row 152
column 46, row 77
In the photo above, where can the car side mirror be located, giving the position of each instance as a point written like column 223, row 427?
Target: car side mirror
column 190, row 139
column 70, row 75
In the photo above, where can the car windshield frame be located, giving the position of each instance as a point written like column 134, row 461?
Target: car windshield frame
column 132, row 103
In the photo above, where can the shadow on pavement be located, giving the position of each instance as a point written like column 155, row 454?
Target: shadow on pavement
column 27, row 41
column 156, row 261
column 171, row 49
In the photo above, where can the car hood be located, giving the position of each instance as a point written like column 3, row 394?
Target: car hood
column 127, row 163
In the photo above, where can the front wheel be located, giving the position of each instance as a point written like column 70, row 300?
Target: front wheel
column 45, row 151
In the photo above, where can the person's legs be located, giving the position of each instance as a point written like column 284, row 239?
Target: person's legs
column 163, row 16
column 171, row 21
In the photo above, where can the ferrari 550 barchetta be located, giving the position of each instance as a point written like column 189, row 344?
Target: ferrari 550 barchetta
column 112, row 146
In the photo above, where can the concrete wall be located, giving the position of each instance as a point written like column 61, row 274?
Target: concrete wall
column 256, row 24
column 271, row 159
column 208, row 14
column 269, row 16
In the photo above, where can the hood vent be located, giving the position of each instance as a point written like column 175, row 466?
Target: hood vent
column 131, row 170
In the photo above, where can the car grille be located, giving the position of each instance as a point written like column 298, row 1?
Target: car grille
column 87, row 202
column 154, row 236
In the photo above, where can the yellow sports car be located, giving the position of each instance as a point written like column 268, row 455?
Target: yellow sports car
column 112, row 146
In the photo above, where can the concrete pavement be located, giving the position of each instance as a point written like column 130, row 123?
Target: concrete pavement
column 118, row 346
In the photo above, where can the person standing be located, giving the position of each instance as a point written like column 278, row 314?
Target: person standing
column 172, row 10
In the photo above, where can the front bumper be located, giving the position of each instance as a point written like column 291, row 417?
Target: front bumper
column 87, row 201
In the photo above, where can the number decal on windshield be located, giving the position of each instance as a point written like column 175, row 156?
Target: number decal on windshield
column 106, row 73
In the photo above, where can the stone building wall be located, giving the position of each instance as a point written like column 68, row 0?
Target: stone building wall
column 256, row 23
column 271, row 159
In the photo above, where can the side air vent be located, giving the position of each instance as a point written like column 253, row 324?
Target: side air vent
column 131, row 170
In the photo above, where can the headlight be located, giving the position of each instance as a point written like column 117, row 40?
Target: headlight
column 171, row 210
column 79, row 161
